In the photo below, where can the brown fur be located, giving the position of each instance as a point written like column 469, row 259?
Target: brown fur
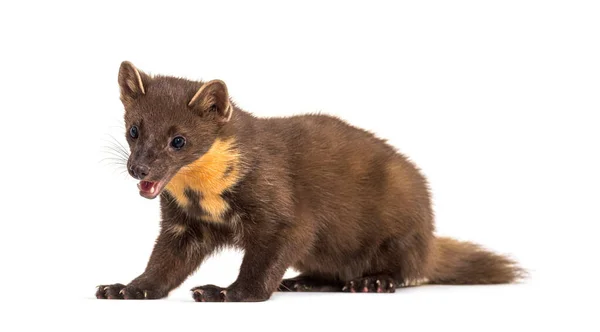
column 310, row 192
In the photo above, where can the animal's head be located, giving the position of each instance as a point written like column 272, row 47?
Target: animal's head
column 170, row 122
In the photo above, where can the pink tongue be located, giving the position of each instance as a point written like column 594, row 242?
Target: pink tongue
column 146, row 185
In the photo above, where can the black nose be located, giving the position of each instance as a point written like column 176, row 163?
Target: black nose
column 139, row 171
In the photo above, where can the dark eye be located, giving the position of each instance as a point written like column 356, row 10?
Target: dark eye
column 178, row 142
column 133, row 132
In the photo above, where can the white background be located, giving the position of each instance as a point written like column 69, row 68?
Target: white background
column 497, row 102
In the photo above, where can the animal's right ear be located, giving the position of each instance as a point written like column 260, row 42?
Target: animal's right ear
column 131, row 82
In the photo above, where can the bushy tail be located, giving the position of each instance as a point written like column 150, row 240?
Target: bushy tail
column 463, row 263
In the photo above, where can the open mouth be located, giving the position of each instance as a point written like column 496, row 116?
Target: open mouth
column 151, row 189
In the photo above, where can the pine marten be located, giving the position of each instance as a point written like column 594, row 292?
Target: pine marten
column 310, row 192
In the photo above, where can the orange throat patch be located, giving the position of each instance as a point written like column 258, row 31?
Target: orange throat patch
column 210, row 175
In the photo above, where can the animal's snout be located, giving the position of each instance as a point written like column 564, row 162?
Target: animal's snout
column 139, row 171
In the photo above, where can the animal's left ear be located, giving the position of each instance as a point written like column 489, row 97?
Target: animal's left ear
column 212, row 99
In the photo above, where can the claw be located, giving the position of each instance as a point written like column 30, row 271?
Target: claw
column 145, row 294
column 365, row 288
column 106, row 287
column 122, row 291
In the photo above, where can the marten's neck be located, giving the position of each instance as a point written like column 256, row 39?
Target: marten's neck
column 241, row 126
column 218, row 170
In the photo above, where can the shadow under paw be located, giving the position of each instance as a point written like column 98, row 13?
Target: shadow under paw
column 308, row 284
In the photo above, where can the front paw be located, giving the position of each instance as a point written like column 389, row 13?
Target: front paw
column 208, row 293
column 122, row 292
column 234, row 293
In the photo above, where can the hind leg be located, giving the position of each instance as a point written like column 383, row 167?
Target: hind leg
column 308, row 283
column 397, row 263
